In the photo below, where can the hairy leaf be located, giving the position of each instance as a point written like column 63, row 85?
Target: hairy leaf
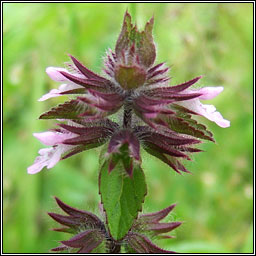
column 186, row 125
column 68, row 110
column 122, row 197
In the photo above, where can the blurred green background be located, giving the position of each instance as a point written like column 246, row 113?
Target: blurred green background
column 216, row 40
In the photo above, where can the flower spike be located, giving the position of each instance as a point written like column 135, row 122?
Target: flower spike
column 156, row 115
column 136, row 86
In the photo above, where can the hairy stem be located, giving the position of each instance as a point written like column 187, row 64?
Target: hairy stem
column 113, row 247
column 127, row 118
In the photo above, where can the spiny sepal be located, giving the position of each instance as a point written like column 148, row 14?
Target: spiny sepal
column 91, row 234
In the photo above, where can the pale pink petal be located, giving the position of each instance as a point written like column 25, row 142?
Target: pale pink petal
column 41, row 161
column 209, row 92
column 48, row 157
column 54, row 74
column 208, row 111
column 45, row 151
column 56, row 156
column 214, row 116
column 37, row 166
column 51, row 138
column 57, row 92
column 51, row 94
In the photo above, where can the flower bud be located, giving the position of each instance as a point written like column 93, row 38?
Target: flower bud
column 143, row 41
column 130, row 77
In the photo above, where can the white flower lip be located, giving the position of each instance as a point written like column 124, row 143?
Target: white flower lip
column 54, row 74
column 48, row 157
column 208, row 111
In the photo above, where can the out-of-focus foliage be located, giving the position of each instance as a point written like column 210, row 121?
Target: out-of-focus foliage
column 211, row 39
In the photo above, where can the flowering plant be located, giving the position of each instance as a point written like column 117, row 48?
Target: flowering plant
column 156, row 116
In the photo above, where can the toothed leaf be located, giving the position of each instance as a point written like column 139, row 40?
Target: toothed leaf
column 68, row 110
column 182, row 122
column 185, row 123
column 122, row 197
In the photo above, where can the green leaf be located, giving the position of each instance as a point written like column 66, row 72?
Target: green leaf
column 184, row 123
column 68, row 110
column 122, row 197
column 187, row 125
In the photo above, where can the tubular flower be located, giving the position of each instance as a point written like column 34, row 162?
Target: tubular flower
column 91, row 233
column 156, row 115
column 70, row 139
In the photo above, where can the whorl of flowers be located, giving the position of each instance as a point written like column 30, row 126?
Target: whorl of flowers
column 90, row 232
column 156, row 115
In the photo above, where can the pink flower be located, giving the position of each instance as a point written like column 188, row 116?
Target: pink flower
column 55, row 74
column 51, row 138
column 134, row 84
column 208, row 111
column 48, row 157
column 67, row 141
